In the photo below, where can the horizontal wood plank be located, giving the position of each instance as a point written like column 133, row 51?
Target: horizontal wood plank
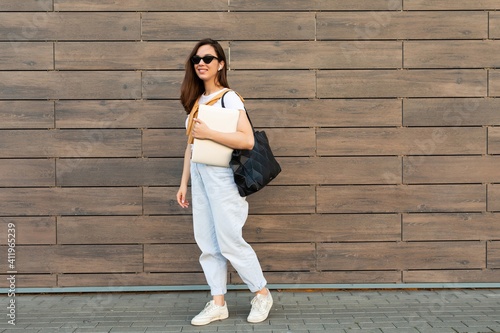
column 452, row 276
column 27, row 172
column 401, row 141
column 400, row 199
column 140, row 5
column 339, row 170
column 286, row 257
column 451, row 54
column 122, row 55
column 70, row 143
column 164, row 143
column 70, row 85
column 324, row 112
column 163, row 200
column 119, row 114
column 30, row 281
column 402, row 25
column 119, row 172
column 319, row 5
column 171, row 258
column 59, row 26
column 26, row 56
column 162, row 85
column 397, row 83
column 494, row 25
column 26, row 5
column 124, row 229
column 70, row 201
column 450, row 5
column 402, row 256
column 494, row 255
column 347, row 277
column 494, row 197
column 29, row 230
column 321, row 55
column 494, row 140
column 185, row 26
column 494, row 83
column 451, row 112
column 322, row 228
column 77, row 259
column 451, row 169
column 125, row 279
column 26, row 114
column 274, row 84
column 450, row 227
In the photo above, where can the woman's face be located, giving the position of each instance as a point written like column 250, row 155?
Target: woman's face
column 207, row 72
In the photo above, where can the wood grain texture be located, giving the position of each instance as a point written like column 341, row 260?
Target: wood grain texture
column 26, row 56
column 164, row 143
column 298, row 5
column 494, row 25
column 322, row 228
column 27, row 172
column 494, row 83
column 286, row 257
column 78, row 259
column 70, row 143
column 451, row 169
column 140, row 5
column 452, row 276
column 494, row 140
column 320, row 55
column 494, row 255
column 122, row 55
column 402, row 25
column 228, row 26
column 493, row 197
column 339, row 170
column 70, row 85
column 70, row 201
column 124, row 229
column 451, row 5
column 451, row 112
column 451, row 54
column 119, row 114
column 171, row 258
column 30, row 281
column 126, row 279
column 26, row 5
column 324, row 112
column 400, row 199
column 163, row 200
column 161, row 85
column 119, row 172
column 59, row 26
column 29, row 230
column 397, row 83
column 402, row 256
column 347, row 277
column 450, row 227
column 404, row 141
column 26, row 114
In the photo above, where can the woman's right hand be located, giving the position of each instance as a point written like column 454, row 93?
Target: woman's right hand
column 181, row 197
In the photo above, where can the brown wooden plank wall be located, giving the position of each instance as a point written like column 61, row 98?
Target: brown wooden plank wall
column 384, row 115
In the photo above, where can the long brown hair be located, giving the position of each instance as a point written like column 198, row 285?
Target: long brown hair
column 192, row 86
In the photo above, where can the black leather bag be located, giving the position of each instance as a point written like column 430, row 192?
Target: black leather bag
column 254, row 169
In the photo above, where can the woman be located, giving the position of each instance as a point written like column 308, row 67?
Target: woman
column 219, row 212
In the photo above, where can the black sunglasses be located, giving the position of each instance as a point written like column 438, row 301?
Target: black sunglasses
column 206, row 59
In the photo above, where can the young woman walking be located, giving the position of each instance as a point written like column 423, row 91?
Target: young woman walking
column 219, row 212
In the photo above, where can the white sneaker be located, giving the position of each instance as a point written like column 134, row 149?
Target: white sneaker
column 261, row 305
column 210, row 313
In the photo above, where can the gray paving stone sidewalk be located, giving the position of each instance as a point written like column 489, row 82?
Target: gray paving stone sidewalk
column 380, row 311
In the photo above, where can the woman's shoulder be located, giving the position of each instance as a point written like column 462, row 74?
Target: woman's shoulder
column 233, row 100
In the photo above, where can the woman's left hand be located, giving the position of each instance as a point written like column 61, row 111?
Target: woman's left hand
column 200, row 129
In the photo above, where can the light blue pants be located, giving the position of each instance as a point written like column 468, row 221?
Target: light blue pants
column 219, row 213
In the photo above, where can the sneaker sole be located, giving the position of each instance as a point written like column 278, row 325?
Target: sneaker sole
column 224, row 316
